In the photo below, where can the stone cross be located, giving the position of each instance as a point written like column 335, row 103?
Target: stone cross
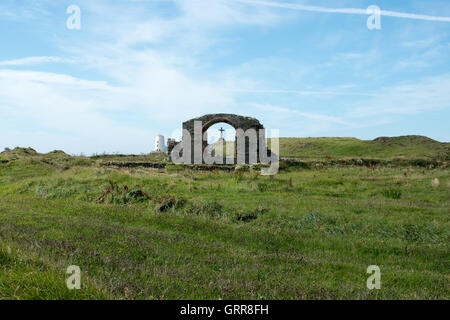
column 221, row 133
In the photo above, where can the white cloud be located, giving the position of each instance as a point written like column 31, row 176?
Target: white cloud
column 51, row 78
column 6, row 13
column 348, row 56
column 23, row 10
column 409, row 98
column 309, row 92
column 411, row 64
column 68, row 110
column 419, row 43
column 33, row 60
column 302, row 7
column 290, row 112
column 97, row 111
column 219, row 13
column 428, row 94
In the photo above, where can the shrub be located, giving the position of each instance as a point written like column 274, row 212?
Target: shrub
column 292, row 165
column 392, row 193
column 168, row 201
column 246, row 216
column 122, row 194
column 206, row 207
column 262, row 187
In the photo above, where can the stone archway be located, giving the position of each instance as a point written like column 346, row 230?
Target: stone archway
column 239, row 123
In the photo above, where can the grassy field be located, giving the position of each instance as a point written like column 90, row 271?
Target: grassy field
column 405, row 147
column 380, row 148
column 173, row 233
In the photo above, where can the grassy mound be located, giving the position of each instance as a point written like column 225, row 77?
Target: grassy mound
column 17, row 153
column 386, row 148
column 407, row 147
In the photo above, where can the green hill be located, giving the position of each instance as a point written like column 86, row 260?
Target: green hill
column 383, row 148
column 18, row 153
column 406, row 147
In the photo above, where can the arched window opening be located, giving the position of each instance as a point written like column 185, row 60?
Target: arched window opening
column 221, row 139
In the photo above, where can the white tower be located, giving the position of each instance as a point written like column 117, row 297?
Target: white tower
column 159, row 143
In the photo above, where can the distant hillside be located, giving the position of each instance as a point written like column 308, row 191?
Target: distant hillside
column 18, row 152
column 383, row 148
column 407, row 147
column 61, row 156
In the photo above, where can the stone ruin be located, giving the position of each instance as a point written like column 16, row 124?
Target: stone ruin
column 240, row 123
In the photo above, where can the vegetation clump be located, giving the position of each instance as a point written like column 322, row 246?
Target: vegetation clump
column 167, row 202
column 116, row 194
column 122, row 194
column 211, row 208
column 246, row 216
column 392, row 193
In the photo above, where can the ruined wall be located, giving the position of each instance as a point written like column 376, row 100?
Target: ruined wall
column 236, row 121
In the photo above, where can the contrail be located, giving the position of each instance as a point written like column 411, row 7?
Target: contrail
column 302, row 7
column 304, row 92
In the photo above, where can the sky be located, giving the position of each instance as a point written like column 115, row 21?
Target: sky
column 136, row 68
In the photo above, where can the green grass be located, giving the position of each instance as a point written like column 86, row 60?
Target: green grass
column 405, row 147
column 396, row 148
column 59, row 157
column 302, row 234
column 408, row 147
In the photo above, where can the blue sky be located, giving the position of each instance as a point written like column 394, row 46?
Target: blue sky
column 138, row 68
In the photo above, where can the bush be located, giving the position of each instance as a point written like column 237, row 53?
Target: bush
column 392, row 193
column 293, row 165
column 246, row 216
column 262, row 187
column 167, row 201
column 206, row 207
column 122, row 195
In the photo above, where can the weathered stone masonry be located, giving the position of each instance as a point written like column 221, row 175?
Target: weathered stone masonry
column 236, row 121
